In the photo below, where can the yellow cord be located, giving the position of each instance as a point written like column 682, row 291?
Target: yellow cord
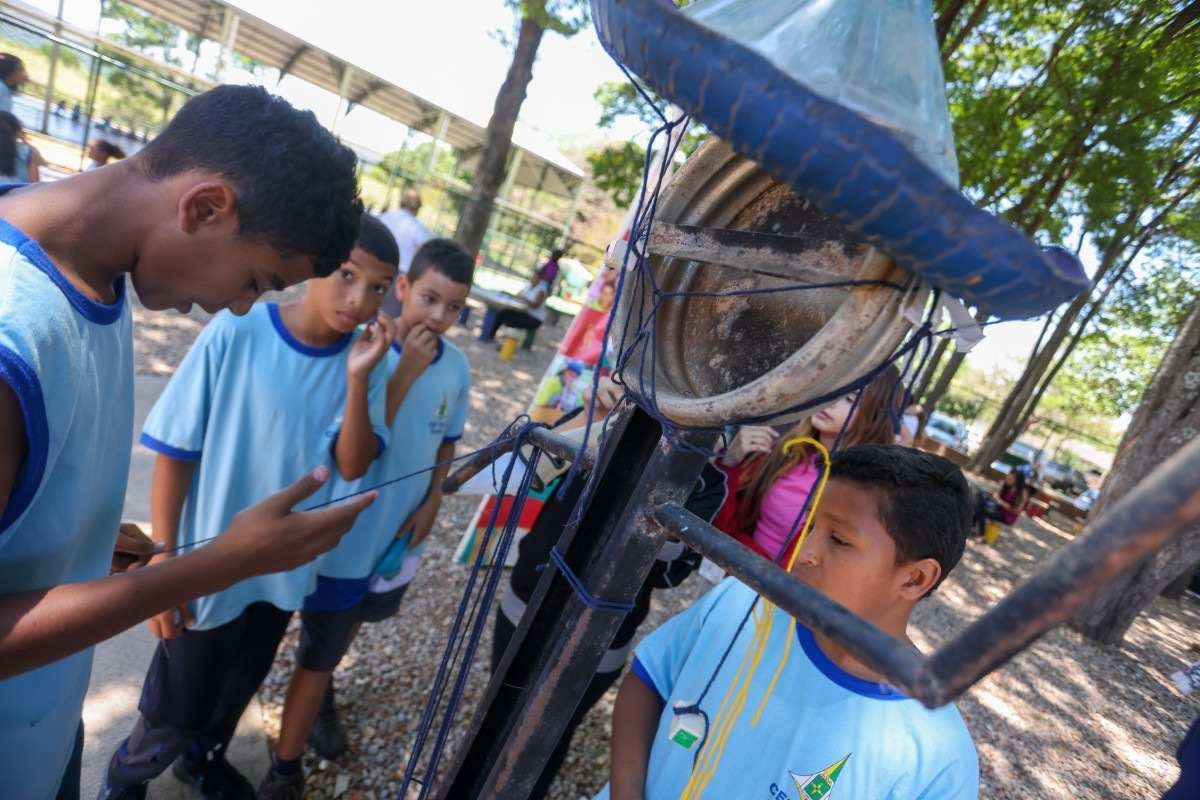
column 734, row 701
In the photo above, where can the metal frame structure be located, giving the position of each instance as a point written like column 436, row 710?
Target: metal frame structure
column 636, row 504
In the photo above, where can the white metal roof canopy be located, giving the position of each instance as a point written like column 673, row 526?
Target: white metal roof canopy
column 261, row 41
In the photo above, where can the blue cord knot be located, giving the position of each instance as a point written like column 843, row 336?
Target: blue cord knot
column 581, row 591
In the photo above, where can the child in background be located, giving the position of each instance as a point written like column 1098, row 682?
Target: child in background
column 18, row 161
column 253, row 398
column 771, row 480
column 428, row 395
column 207, row 213
column 817, row 722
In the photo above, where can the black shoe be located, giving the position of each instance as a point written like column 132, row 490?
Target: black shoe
column 277, row 786
column 328, row 738
column 216, row 779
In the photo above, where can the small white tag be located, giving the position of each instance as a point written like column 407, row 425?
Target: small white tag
column 688, row 726
column 711, row 572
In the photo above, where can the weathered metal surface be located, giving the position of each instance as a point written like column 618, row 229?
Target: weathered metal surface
column 720, row 359
column 560, row 641
column 791, row 258
column 557, row 446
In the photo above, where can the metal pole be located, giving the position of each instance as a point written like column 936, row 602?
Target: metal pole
column 93, row 82
column 576, row 196
column 229, row 31
column 438, row 136
column 50, row 79
column 560, row 641
column 343, row 88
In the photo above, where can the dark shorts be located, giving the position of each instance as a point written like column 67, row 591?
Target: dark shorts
column 325, row 636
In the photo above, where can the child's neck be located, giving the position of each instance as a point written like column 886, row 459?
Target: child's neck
column 89, row 225
column 303, row 322
column 851, row 663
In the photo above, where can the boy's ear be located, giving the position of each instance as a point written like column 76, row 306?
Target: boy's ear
column 919, row 577
column 400, row 286
column 210, row 202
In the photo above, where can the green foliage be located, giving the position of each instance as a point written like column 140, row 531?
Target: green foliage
column 410, row 163
column 564, row 17
column 960, row 406
column 1109, row 371
column 67, row 57
column 617, row 168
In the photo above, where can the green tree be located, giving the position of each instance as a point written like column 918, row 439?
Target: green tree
column 534, row 18
column 617, row 168
column 146, row 102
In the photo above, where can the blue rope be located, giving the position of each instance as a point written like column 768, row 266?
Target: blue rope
column 581, row 591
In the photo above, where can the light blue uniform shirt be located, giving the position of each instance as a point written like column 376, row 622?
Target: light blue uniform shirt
column 69, row 361
column 255, row 408
column 824, row 734
column 434, row 411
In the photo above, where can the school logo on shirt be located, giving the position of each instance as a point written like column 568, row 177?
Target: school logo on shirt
column 818, row 785
column 438, row 423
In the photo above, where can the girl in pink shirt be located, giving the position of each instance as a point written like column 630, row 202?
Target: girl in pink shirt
column 772, row 485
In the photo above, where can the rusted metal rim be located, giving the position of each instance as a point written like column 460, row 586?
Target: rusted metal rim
column 722, row 359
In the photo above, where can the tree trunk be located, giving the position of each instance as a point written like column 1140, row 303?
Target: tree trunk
column 1167, row 418
column 477, row 213
column 931, row 369
column 930, row 400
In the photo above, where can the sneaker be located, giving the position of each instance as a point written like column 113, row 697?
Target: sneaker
column 328, row 738
column 214, row 780
column 277, row 786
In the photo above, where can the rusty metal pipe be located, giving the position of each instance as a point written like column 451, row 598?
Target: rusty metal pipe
column 900, row 663
column 1162, row 505
column 543, row 438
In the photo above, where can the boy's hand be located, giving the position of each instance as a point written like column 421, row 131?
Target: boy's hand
column 132, row 547
column 370, row 346
column 419, row 348
column 749, row 439
column 421, row 520
column 271, row 537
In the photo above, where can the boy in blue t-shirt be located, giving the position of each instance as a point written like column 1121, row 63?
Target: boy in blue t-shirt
column 816, row 723
column 254, row 397
column 428, row 396
column 207, row 213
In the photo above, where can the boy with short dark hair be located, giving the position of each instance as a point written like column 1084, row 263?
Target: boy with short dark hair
column 817, row 722
column 254, row 396
column 428, row 396
column 207, row 213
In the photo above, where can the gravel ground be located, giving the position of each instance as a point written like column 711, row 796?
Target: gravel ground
column 1066, row 719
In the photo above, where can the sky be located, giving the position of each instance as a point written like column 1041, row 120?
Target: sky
column 449, row 53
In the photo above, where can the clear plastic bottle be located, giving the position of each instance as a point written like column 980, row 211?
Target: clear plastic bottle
column 878, row 58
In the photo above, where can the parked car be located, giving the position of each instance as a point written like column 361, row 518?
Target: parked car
column 1085, row 501
column 1018, row 454
column 1062, row 477
column 947, row 430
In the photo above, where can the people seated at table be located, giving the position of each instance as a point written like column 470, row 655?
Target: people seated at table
column 533, row 297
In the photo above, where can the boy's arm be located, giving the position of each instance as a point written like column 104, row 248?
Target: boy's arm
column 42, row 626
column 420, row 522
column 418, row 351
column 356, row 446
column 635, row 720
column 168, row 492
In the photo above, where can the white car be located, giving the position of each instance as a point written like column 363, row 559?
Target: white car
column 947, row 430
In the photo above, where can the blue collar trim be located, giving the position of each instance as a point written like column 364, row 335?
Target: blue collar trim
column 853, row 683
column 92, row 310
column 441, row 349
column 301, row 347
